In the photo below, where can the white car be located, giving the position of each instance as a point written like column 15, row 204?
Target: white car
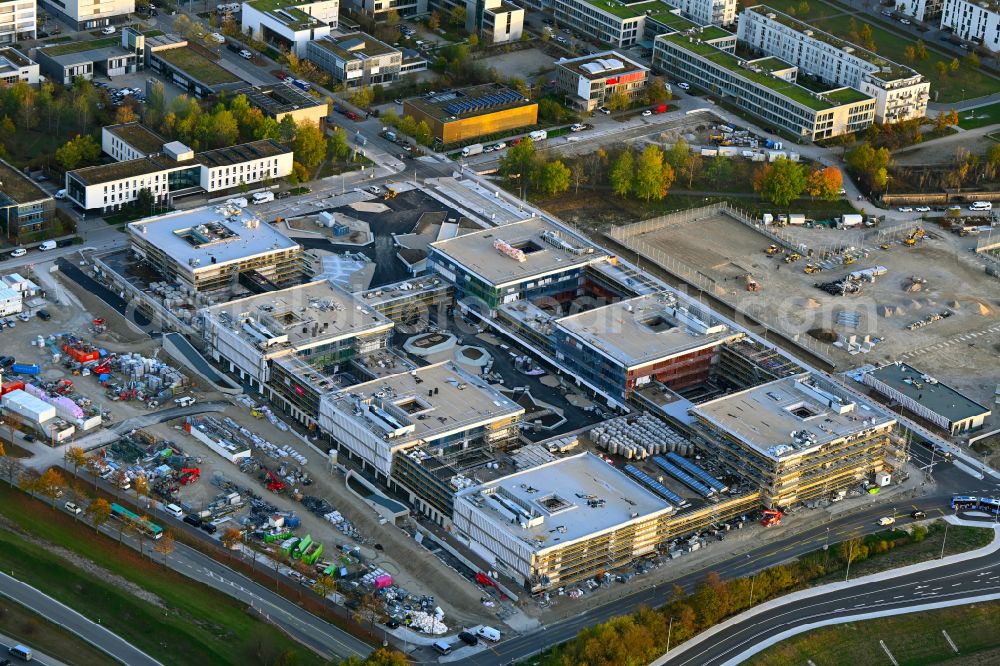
column 246, row 54
column 647, row 113
column 577, row 127
column 923, row 209
column 218, row 38
column 500, row 146
column 375, row 189
column 108, row 30
column 683, row 86
column 905, row 21
column 605, row 110
column 61, row 194
column 72, row 508
column 18, row 252
column 905, row 209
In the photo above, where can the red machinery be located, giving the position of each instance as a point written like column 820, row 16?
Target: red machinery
column 771, row 518
column 189, row 475
column 99, row 325
column 11, row 386
column 486, row 581
column 274, row 484
column 81, row 353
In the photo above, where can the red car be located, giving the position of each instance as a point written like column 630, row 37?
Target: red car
column 282, row 76
column 353, row 116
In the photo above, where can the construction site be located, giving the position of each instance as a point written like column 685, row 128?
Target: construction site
column 847, row 296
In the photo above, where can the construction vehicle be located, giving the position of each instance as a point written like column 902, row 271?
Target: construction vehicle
column 772, row 249
column 912, row 239
column 772, row 517
column 885, row 246
column 389, row 194
column 99, row 325
column 752, row 284
column 810, row 268
column 188, row 475
column 848, row 260
column 274, row 484
column 794, row 256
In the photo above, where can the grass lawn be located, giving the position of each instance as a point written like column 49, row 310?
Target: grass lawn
column 197, row 625
column 31, row 629
column 976, row 83
column 198, row 66
column 914, row 638
column 984, row 115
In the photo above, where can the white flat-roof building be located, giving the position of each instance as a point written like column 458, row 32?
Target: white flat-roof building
column 209, row 249
column 900, row 92
column 15, row 66
column 590, row 81
column 356, row 59
column 280, row 342
column 90, row 14
column 922, row 10
column 562, row 521
column 973, row 21
column 799, row 438
column 290, row 23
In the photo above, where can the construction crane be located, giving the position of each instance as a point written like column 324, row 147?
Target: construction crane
column 772, row 517
column 917, row 235
column 752, row 284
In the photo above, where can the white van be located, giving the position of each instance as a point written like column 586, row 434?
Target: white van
column 47, row 245
column 981, row 205
column 262, row 197
column 239, row 202
column 174, row 510
column 21, row 652
column 184, row 401
column 489, row 633
column 442, row 647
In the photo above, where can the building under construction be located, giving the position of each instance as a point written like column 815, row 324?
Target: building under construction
column 798, row 438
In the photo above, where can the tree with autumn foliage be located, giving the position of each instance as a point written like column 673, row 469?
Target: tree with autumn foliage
column 780, row 182
column 825, row 183
column 99, row 512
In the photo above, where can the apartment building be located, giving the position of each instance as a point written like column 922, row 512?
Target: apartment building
column 176, row 170
column 90, row 14
column 591, row 81
column 900, row 92
column 378, row 9
column 925, row 11
column 500, row 22
column 977, row 22
column 18, row 21
column 708, row 12
column 622, row 24
column 15, row 66
column 766, row 87
column 291, row 24
column 24, row 206
column 356, row 59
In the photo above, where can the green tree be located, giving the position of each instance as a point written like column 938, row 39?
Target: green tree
column 719, row 169
column 549, row 111
column 309, row 145
column 78, row 151
column 553, row 178
column 618, row 100
column 422, row 133
column 972, row 60
column 223, row 129
column 434, row 20
column 340, row 149
column 362, row 97
column 457, row 17
column 869, row 164
column 656, row 91
column 921, row 50
column 653, row 176
column 622, row 174
column 144, row 201
column 287, row 129
column 519, row 162
column 781, row 182
column 473, row 40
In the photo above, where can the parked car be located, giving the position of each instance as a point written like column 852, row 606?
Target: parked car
column 923, row 209
column 905, row 209
column 24, row 316
column 61, row 194
column 193, row 519
column 72, row 508
column 18, row 252
column 577, row 127
column 647, row 113
column 246, row 54
column 467, row 638
column 375, row 189
column 108, row 30
column 43, row 315
column 605, row 110
column 218, row 38
column 683, row 86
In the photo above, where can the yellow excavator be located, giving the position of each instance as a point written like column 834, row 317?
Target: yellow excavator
column 913, row 238
column 772, row 249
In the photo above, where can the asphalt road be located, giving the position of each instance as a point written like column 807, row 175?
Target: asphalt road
column 965, row 579
column 6, row 643
column 64, row 616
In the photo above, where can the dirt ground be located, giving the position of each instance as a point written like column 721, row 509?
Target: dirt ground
column 526, row 64
column 961, row 349
column 411, row 566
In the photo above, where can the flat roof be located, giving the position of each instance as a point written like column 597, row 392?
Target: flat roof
column 103, row 173
column 287, row 12
column 646, row 329
column 17, row 187
column 225, row 233
column 543, row 246
column 468, row 102
column 460, row 401
column 563, row 501
column 760, row 74
column 601, row 65
column 792, row 415
column 139, row 136
column 74, row 47
column 895, row 69
column 632, row 10
column 15, row 58
column 300, row 317
column 355, row 46
column 197, row 66
column 279, row 98
column 929, row 392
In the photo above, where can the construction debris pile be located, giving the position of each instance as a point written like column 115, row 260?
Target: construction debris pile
column 128, row 376
column 639, row 437
column 139, row 454
column 929, row 319
column 262, row 411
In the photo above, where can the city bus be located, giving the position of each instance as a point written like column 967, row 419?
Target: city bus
column 150, row 528
column 964, row 503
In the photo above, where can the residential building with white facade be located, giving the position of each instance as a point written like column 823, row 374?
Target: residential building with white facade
column 622, row 24
column 18, row 20
column 288, row 23
column 356, row 59
column 977, row 22
column 500, row 22
column 90, row 14
column 900, row 92
column 590, row 81
column 378, row 9
column 15, row 66
column 176, row 170
column 925, row 11
column 709, row 12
